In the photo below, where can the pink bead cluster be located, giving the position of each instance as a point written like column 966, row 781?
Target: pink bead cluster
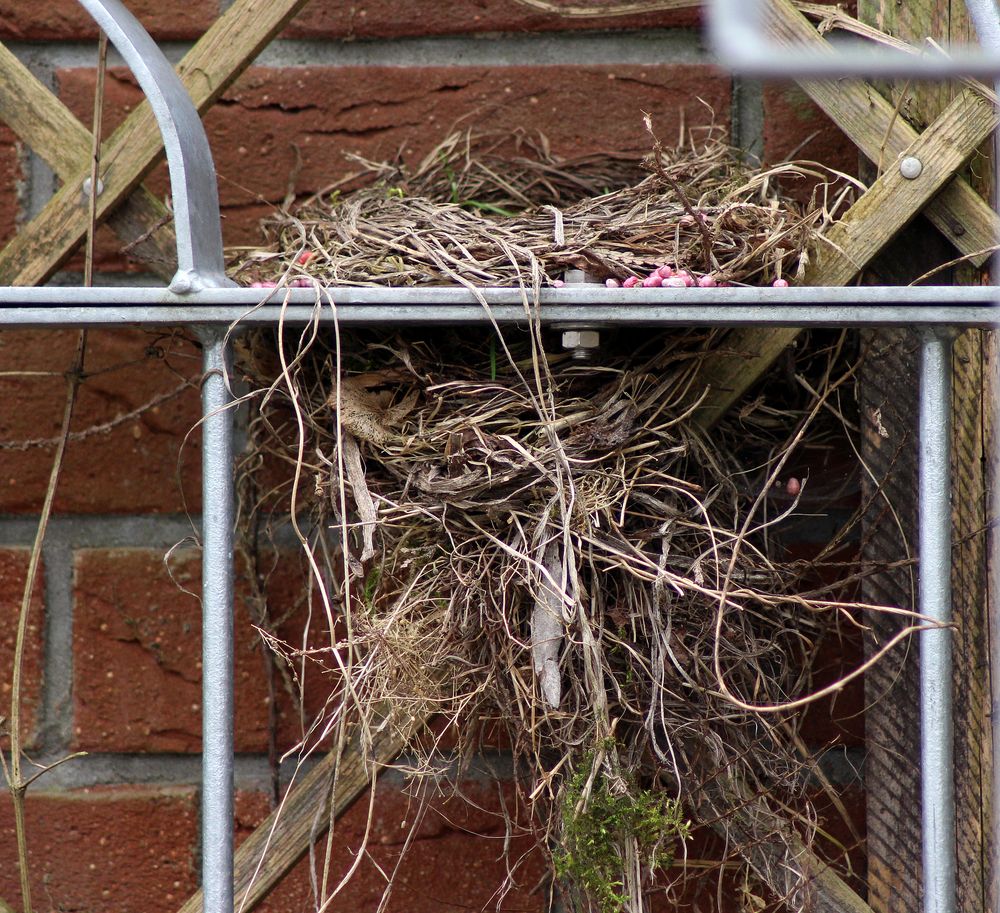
column 668, row 277
column 295, row 283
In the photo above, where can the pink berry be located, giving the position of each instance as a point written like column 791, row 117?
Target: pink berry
column 558, row 283
column 780, row 283
column 631, row 282
column 612, row 283
column 664, row 272
column 674, row 282
column 305, row 257
column 793, row 486
column 686, row 276
column 652, row 281
column 707, row 282
column 302, row 283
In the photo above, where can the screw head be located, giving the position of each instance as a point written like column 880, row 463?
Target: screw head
column 910, row 167
column 87, row 185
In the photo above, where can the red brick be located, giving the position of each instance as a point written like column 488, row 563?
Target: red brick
column 137, row 655
column 271, row 115
column 104, row 849
column 382, row 18
column 455, row 860
column 67, row 20
column 385, row 19
column 132, row 468
column 11, row 176
column 794, row 127
column 13, row 568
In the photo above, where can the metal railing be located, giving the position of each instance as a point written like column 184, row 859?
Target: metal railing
column 202, row 298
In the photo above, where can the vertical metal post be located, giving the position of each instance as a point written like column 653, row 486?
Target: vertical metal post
column 217, row 629
column 936, row 721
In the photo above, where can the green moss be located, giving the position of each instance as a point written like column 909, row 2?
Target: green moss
column 596, row 830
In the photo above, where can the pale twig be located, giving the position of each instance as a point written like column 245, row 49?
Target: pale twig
column 15, row 781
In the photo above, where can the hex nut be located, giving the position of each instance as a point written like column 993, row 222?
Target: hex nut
column 581, row 339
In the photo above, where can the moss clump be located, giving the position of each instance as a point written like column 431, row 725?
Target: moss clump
column 606, row 819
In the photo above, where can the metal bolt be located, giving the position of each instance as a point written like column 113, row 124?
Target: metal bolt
column 87, row 185
column 583, row 343
column 910, row 167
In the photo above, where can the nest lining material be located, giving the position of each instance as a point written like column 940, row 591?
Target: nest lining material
column 510, row 539
column 482, row 211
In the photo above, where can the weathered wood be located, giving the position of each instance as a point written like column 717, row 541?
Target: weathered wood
column 304, row 815
column 893, row 201
column 892, row 718
column 40, row 119
column 330, row 788
column 132, row 151
column 958, row 211
column 878, row 215
column 872, row 124
column 43, row 122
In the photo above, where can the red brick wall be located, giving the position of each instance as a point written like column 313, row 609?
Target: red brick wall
column 111, row 665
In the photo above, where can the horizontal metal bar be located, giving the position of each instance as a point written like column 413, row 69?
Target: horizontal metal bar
column 961, row 306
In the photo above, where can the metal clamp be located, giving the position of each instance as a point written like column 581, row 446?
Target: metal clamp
column 193, row 185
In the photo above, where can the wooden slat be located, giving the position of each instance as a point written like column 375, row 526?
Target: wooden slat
column 40, row 119
column 43, row 122
column 132, row 151
column 871, row 122
column 958, row 211
column 304, row 816
column 893, row 714
column 877, row 216
column 893, row 201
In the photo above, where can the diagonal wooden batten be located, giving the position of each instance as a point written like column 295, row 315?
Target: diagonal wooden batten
column 40, row 119
column 329, row 789
column 132, row 151
column 43, row 122
column 877, row 216
column 873, row 125
column 304, row 815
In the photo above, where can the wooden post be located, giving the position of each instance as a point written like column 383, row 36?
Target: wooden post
column 888, row 447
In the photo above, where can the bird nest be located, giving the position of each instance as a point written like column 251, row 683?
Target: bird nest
column 517, row 543
column 489, row 211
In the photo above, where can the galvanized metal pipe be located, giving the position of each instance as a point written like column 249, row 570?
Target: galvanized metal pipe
column 218, row 516
column 193, row 186
column 936, row 721
column 798, row 300
column 964, row 306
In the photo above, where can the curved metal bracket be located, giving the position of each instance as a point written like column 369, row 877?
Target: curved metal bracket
column 193, row 185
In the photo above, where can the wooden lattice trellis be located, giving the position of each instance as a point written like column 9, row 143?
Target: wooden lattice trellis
column 141, row 220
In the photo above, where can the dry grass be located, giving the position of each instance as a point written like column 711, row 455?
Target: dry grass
column 487, row 211
column 517, row 542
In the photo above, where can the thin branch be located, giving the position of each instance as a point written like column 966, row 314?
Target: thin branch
column 15, row 780
column 661, row 173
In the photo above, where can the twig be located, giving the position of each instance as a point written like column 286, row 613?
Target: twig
column 15, row 780
column 95, row 160
column 102, row 427
column 661, row 172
